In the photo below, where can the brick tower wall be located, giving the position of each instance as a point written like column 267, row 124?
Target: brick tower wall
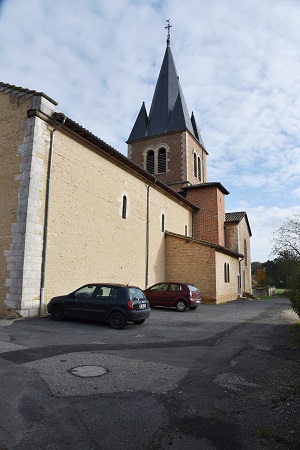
column 209, row 221
column 180, row 149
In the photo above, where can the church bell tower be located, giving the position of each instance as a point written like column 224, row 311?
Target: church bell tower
column 167, row 142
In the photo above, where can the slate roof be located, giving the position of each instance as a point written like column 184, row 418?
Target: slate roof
column 236, row 217
column 168, row 110
column 22, row 92
column 208, row 184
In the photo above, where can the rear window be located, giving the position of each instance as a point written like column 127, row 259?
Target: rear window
column 192, row 288
column 136, row 294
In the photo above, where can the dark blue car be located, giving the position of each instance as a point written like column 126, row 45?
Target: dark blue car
column 113, row 303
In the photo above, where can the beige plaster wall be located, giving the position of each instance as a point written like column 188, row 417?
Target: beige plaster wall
column 88, row 239
column 227, row 291
column 243, row 236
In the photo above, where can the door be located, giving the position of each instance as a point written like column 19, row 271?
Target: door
column 78, row 305
column 102, row 302
column 157, row 295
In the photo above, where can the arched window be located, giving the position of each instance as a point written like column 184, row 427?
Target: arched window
column 195, row 165
column 124, row 207
column 150, row 162
column 162, row 160
column 199, row 168
column 162, row 222
column 226, row 273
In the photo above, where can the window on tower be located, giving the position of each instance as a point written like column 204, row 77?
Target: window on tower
column 162, row 160
column 150, row 161
column 199, row 168
column 195, row 165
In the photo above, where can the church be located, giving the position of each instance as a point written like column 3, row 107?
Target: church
column 74, row 210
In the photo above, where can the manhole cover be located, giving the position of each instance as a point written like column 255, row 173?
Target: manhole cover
column 88, row 371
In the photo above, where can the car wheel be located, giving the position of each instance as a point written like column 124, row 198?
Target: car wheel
column 138, row 322
column 117, row 320
column 57, row 313
column 180, row 305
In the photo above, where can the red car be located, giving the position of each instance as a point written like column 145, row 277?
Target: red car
column 178, row 295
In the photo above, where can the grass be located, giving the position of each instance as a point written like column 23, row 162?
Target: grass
column 296, row 331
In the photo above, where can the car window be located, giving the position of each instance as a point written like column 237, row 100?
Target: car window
column 160, row 287
column 136, row 293
column 175, row 287
column 192, row 288
column 106, row 291
column 85, row 291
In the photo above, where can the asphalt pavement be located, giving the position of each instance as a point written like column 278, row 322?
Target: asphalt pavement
column 220, row 377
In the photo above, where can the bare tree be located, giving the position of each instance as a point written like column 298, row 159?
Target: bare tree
column 287, row 238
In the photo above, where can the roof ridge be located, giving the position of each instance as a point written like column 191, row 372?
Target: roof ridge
column 20, row 91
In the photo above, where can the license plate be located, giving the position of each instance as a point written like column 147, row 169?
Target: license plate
column 143, row 305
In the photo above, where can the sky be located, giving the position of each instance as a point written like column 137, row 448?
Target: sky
column 239, row 68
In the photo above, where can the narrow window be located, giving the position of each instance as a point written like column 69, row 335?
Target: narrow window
column 124, row 207
column 195, row 165
column 199, row 168
column 226, row 273
column 162, row 160
column 150, row 162
column 185, row 230
column 162, row 222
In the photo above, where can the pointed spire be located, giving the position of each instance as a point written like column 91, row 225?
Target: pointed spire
column 168, row 110
column 139, row 129
column 196, row 130
column 180, row 119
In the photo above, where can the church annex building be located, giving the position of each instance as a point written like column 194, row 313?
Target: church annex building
column 74, row 210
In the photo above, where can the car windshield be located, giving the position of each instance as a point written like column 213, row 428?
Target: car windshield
column 136, row 294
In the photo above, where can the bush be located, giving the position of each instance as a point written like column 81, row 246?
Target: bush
column 294, row 296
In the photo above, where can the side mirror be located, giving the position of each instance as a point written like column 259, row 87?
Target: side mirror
column 72, row 295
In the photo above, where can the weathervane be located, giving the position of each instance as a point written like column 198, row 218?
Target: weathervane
column 168, row 26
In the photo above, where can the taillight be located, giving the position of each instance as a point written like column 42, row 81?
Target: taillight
column 130, row 304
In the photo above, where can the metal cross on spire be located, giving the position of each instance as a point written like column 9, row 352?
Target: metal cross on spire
column 168, row 26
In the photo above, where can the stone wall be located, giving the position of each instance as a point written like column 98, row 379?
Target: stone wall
column 25, row 143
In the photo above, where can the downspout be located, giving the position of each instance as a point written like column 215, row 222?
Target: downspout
column 147, row 235
column 46, row 219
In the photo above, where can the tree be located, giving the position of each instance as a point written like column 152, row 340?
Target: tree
column 261, row 277
column 287, row 238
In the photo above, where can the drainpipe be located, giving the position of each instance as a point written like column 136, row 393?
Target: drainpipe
column 148, row 234
column 46, row 218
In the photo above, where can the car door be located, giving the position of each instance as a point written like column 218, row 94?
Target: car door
column 102, row 302
column 173, row 293
column 157, row 294
column 78, row 304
